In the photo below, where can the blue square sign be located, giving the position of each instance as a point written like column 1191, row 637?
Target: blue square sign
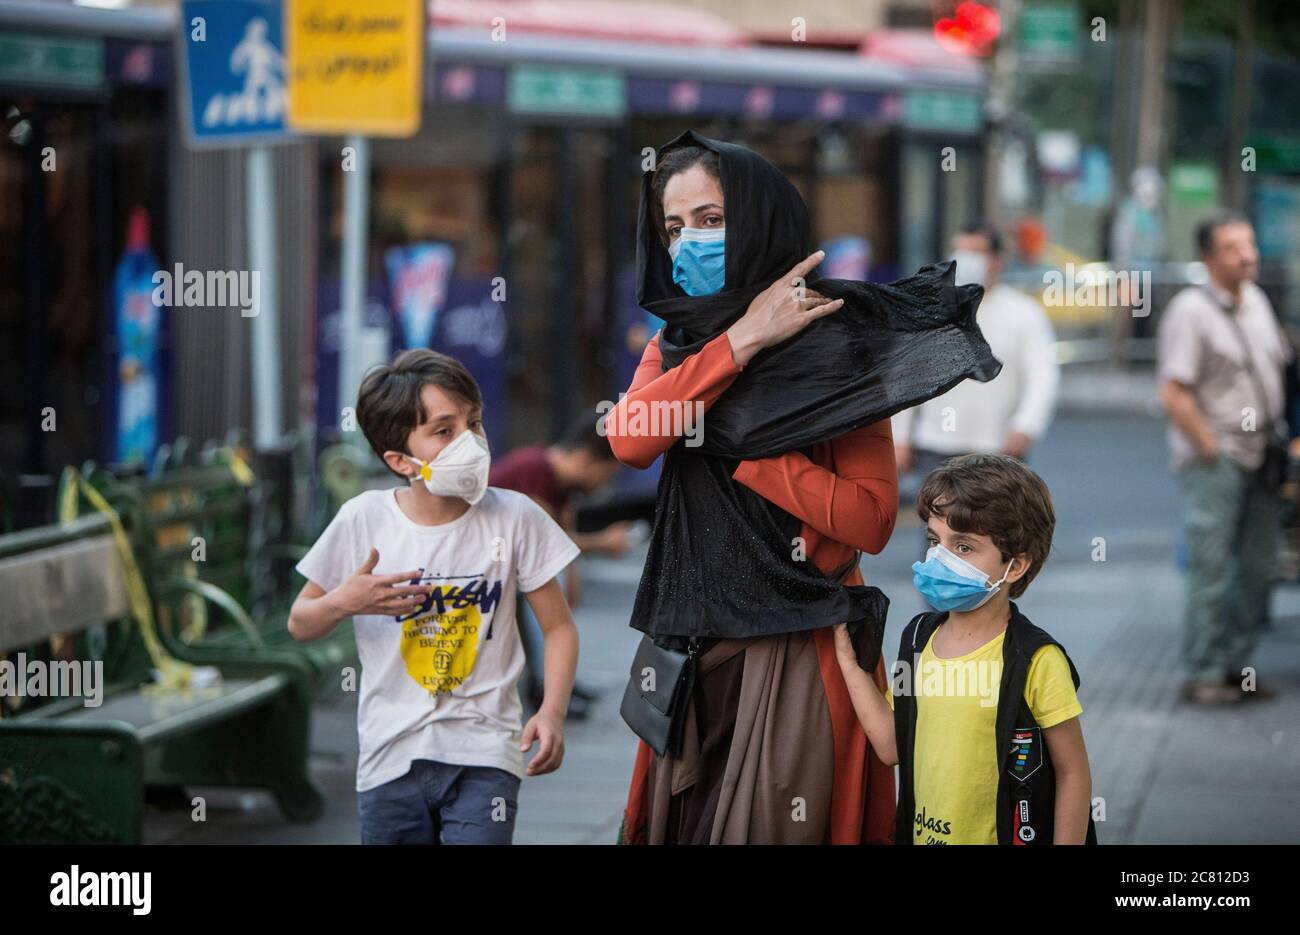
column 233, row 71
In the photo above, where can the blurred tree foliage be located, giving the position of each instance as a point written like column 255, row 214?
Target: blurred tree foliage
column 1200, row 69
column 1277, row 22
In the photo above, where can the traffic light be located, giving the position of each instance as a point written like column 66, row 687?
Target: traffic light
column 972, row 29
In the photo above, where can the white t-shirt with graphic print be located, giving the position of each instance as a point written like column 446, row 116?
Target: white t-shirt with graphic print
column 438, row 683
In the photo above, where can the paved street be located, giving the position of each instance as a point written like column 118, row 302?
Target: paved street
column 1168, row 772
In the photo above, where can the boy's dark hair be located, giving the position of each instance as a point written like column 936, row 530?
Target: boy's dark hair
column 582, row 435
column 994, row 496
column 988, row 232
column 388, row 403
column 672, row 162
column 1206, row 230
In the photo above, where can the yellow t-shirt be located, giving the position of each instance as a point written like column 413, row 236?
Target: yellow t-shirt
column 955, row 770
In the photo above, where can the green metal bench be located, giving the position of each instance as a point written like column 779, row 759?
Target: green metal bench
column 195, row 526
column 70, row 772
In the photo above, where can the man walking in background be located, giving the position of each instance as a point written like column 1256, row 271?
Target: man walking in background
column 1221, row 355
column 1010, row 412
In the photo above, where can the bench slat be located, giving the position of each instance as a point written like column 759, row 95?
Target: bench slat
column 60, row 589
column 155, row 716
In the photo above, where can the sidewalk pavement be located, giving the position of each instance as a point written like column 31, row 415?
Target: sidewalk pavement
column 1103, row 389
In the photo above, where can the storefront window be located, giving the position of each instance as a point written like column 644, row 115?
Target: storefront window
column 71, row 173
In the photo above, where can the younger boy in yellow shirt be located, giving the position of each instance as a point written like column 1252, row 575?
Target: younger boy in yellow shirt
column 985, row 720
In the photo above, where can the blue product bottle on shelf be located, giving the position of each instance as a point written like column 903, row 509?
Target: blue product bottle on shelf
column 137, row 322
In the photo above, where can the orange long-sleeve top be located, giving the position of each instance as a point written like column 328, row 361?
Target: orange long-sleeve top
column 845, row 494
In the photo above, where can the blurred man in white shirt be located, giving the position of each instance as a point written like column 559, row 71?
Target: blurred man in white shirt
column 1012, row 411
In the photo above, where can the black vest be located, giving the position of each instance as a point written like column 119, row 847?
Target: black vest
column 1026, row 807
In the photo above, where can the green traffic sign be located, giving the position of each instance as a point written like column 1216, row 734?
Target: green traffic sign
column 1193, row 182
column 941, row 110
column 1280, row 154
column 59, row 61
column 1049, row 32
column 543, row 89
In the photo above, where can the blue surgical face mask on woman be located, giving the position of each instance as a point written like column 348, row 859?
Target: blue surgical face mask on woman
column 949, row 582
column 699, row 259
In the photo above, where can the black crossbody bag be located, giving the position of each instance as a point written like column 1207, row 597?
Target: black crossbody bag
column 658, row 692
column 662, row 679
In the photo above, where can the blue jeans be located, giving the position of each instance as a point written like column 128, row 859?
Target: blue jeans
column 438, row 803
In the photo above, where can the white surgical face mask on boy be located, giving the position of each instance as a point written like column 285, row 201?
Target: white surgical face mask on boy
column 459, row 470
column 972, row 267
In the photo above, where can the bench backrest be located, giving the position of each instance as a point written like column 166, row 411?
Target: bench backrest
column 189, row 521
column 66, row 580
column 59, row 579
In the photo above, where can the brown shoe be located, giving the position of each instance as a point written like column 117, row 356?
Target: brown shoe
column 1261, row 692
column 1210, row 692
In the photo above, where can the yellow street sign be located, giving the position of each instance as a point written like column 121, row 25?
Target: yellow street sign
column 355, row 67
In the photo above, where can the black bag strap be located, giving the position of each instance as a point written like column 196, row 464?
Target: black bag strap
column 1257, row 385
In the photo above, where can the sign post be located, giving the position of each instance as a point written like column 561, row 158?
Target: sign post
column 233, row 69
column 352, row 286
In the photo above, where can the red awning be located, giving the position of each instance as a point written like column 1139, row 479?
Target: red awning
column 638, row 22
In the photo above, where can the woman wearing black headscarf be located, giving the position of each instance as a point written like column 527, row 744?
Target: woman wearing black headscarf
column 762, row 509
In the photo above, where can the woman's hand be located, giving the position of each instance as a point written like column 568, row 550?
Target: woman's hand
column 844, row 651
column 780, row 311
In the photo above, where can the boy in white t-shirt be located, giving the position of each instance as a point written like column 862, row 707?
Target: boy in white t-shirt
column 429, row 573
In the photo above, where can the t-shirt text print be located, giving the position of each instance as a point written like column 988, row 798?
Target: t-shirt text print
column 441, row 638
column 438, row 681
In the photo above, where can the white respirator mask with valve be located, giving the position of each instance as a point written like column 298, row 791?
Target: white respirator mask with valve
column 459, row 470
